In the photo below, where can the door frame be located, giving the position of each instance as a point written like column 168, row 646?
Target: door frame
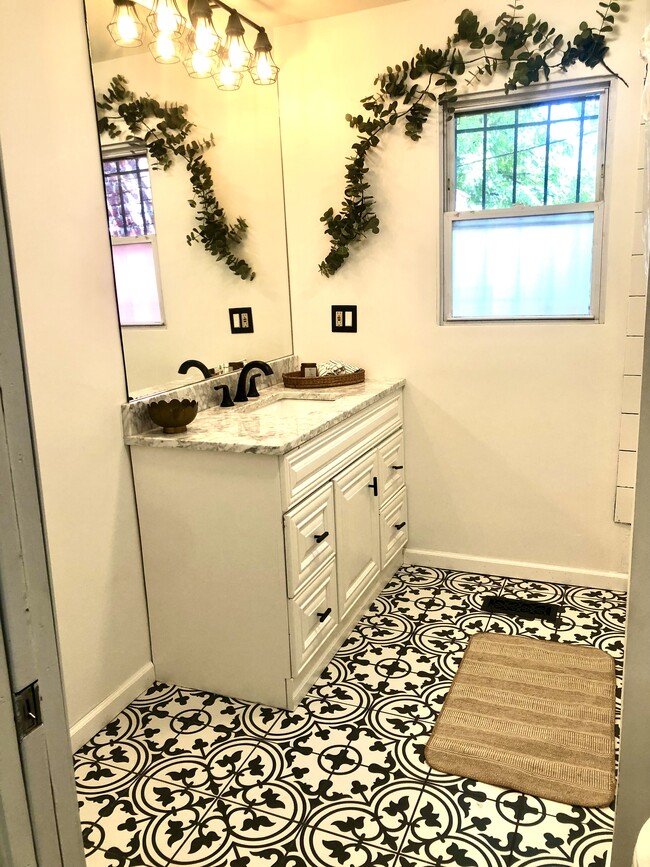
column 36, row 772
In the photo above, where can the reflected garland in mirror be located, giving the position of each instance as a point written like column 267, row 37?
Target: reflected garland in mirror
column 163, row 130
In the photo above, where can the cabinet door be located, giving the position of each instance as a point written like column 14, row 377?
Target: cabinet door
column 391, row 467
column 356, row 504
column 309, row 537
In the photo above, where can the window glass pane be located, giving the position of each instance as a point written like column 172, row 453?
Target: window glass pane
column 127, row 165
column 135, row 281
column 469, row 121
column 128, row 197
column 531, row 163
column 564, row 152
column 133, row 219
column 501, row 268
column 114, row 206
column 143, row 164
column 499, row 168
column 109, row 167
column 566, row 110
column 589, row 162
column 500, row 118
column 469, row 171
column 533, row 114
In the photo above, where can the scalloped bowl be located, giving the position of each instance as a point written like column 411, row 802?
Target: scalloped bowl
column 173, row 416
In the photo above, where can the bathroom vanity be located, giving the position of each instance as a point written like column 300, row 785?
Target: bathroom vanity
column 267, row 529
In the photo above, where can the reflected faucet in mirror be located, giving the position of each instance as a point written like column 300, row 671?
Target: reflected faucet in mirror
column 193, row 362
column 241, row 396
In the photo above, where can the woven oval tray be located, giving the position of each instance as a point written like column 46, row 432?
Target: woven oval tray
column 296, row 380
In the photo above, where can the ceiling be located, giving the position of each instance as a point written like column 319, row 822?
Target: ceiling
column 269, row 13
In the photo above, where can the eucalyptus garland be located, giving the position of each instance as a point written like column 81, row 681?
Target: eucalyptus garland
column 165, row 131
column 528, row 49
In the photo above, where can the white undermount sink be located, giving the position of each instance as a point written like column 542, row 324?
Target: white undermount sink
column 286, row 405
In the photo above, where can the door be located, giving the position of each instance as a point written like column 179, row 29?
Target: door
column 39, row 821
column 356, row 506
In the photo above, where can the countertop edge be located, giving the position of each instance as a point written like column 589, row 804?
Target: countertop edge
column 153, row 439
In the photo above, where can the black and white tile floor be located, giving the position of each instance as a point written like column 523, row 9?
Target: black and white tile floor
column 184, row 777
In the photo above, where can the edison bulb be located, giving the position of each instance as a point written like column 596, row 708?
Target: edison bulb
column 166, row 19
column 126, row 26
column 201, row 63
column 204, row 37
column 237, row 55
column 227, row 76
column 165, row 47
column 264, row 69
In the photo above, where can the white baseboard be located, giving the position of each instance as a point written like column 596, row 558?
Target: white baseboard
column 103, row 713
column 514, row 569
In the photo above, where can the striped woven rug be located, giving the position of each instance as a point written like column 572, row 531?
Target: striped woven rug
column 531, row 715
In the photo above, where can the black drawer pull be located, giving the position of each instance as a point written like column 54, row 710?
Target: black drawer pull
column 374, row 486
column 320, row 537
column 323, row 615
column 399, row 526
column 397, row 467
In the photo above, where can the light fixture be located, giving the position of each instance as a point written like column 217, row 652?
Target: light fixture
column 203, row 41
column 125, row 28
column 205, row 54
column 235, row 46
column 263, row 69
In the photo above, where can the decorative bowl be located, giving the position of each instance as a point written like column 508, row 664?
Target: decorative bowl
column 173, row 416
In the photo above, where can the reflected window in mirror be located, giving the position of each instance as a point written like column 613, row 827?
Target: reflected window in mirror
column 127, row 186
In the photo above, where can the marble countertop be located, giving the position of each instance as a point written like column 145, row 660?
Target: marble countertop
column 279, row 420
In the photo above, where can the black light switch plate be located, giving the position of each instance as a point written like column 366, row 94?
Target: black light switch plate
column 241, row 320
column 344, row 318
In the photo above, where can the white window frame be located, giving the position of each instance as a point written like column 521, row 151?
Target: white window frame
column 498, row 101
column 125, row 151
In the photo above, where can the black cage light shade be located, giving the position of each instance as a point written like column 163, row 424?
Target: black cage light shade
column 263, row 69
column 236, row 50
column 125, row 27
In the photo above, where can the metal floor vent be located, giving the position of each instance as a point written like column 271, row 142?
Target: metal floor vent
column 525, row 608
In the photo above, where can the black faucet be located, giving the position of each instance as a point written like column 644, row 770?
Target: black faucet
column 192, row 362
column 240, row 396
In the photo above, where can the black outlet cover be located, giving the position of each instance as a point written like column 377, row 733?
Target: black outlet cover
column 344, row 318
column 241, row 320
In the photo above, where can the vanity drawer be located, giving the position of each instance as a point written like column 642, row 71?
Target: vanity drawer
column 313, row 615
column 393, row 521
column 391, row 467
column 306, row 468
column 309, row 537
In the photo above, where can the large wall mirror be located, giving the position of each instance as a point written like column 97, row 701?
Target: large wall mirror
column 184, row 312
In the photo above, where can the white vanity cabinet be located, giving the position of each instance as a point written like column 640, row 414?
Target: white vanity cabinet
column 258, row 566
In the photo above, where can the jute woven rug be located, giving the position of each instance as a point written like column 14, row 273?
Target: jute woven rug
column 531, row 715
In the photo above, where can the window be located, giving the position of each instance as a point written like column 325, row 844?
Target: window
column 524, row 208
column 133, row 238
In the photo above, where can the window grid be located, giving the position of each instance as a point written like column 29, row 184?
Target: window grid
column 517, row 126
column 113, row 170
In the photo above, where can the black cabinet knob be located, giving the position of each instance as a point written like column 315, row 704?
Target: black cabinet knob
column 320, row 537
column 374, row 486
column 399, row 526
column 397, row 467
column 323, row 615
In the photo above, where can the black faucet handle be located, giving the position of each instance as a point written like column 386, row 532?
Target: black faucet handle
column 226, row 399
column 252, row 385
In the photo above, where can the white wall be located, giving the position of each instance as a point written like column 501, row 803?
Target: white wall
column 197, row 290
column 64, row 278
column 511, row 429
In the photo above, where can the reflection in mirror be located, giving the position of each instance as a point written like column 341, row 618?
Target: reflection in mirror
column 174, row 298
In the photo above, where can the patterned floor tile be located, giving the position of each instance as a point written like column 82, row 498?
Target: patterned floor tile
column 469, row 831
column 574, row 837
column 146, row 817
column 185, row 777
